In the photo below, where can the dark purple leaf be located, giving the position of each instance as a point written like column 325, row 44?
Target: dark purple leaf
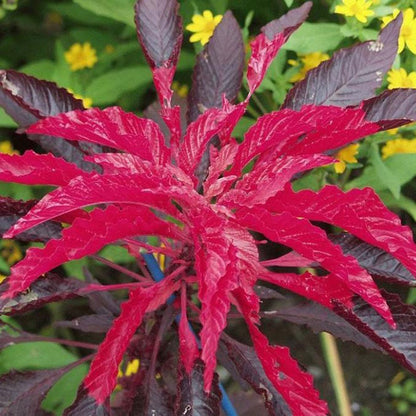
column 399, row 342
column 351, row 75
column 320, row 319
column 22, row 393
column 38, row 98
column 27, row 99
column 159, row 29
column 219, row 68
column 247, row 365
column 86, row 405
column 50, row 288
column 192, row 400
column 392, row 108
column 288, row 23
column 11, row 210
column 89, row 323
column 267, row 293
column 376, row 261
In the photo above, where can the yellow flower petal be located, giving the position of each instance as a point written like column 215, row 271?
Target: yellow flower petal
column 81, row 56
column 203, row 26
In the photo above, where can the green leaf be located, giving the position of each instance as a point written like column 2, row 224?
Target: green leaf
column 42, row 69
column 63, row 393
column 384, row 173
column 403, row 203
column 75, row 268
column 120, row 10
column 289, row 3
column 116, row 254
column 242, row 126
column 314, row 37
column 5, row 120
column 393, row 168
column 34, row 356
column 109, row 87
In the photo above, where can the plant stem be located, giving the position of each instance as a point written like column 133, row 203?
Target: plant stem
column 333, row 363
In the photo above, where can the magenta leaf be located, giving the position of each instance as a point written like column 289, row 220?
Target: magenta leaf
column 159, row 29
column 359, row 211
column 392, row 108
column 295, row 386
column 110, row 127
column 247, row 366
column 377, row 262
column 50, row 288
column 266, row 45
column 201, row 131
column 398, row 343
column 137, row 189
column 351, row 75
column 192, row 400
column 22, row 393
column 291, row 231
column 321, row 289
column 101, row 379
column 269, row 177
column 312, row 129
column 219, row 68
column 34, row 169
column 85, row 236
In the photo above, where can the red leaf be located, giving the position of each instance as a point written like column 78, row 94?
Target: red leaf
column 321, row 289
column 137, row 189
column 312, row 129
column 295, row 386
column 351, row 75
column 34, row 169
column 215, row 185
column 266, row 45
column 269, row 177
column 201, row 131
column 188, row 347
column 359, row 211
column 101, row 379
column 295, row 232
column 110, row 127
column 85, row 236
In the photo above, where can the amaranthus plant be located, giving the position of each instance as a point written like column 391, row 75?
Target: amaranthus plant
column 203, row 194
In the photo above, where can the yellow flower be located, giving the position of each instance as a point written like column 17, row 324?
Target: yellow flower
column 309, row 61
column 132, row 367
column 2, row 278
column 181, row 90
column 86, row 101
column 11, row 252
column 81, row 56
column 203, row 26
column 356, row 8
column 407, row 36
column 398, row 78
column 346, row 154
column 400, row 145
column 6, row 147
